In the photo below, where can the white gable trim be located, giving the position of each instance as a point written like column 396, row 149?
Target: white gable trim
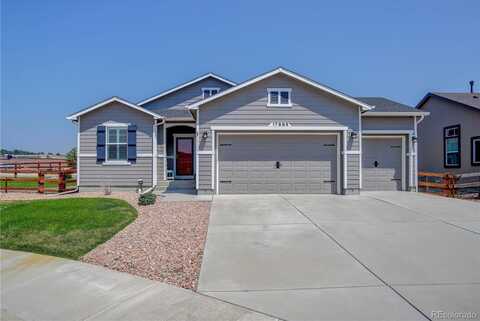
column 111, row 100
column 146, row 101
column 288, row 73
column 395, row 113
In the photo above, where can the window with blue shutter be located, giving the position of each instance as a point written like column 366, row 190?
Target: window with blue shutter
column 132, row 143
column 100, row 144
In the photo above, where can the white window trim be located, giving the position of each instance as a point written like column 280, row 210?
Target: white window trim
column 115, row 161
column 204, row 89
column 279, row 90
column 475, row 161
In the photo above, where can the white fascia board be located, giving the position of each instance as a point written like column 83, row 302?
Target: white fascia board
column 395, row 114
column 288, row 73
column 146, row 101
column 282, row 129
column 388, row 131
column 110, row 100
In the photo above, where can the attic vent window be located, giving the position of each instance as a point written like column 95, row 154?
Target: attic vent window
column 207, row 92
column 280, row 124
column 279, row 97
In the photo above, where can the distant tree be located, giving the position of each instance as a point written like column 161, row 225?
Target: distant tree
column 16, row 152
column 72, row 157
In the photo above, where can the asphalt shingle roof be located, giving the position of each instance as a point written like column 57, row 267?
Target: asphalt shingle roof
column 462, row 98
column 385, row 105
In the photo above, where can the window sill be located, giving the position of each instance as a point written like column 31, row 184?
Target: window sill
column 451, row 166
column 116, row 163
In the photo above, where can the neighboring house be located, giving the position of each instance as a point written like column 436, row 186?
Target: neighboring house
column 449, row 139
column 279, row 132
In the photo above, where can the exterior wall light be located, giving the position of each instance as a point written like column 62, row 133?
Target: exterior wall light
column 353, row 134
column 205, row 135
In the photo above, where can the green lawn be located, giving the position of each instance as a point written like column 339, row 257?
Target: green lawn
column 34, row 184
column 63, row 227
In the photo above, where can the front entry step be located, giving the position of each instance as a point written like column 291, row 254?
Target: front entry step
column 166, row 185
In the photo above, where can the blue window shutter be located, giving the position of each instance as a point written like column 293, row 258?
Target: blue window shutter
column 100, row 144
column 132, row 143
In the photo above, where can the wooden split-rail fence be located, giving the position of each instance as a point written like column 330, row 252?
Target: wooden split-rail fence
column 40, row 176
column 450, row 185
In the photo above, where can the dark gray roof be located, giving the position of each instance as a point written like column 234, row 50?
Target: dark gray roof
column 386, row 105
column 467, row 99
column 175, row 112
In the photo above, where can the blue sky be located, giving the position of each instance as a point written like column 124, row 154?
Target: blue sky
column 61, row 56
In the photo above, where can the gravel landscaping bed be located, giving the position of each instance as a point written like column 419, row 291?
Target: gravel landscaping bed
column 164, row 243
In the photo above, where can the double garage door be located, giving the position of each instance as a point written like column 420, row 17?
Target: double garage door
column 290, row 163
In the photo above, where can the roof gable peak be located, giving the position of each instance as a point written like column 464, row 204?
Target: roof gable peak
column 186, row 84
column 281, row 70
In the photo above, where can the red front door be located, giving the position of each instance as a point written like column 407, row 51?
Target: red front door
column 184, row 157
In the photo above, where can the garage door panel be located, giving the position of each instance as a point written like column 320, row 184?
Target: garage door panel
column 382, row 164
column 247, row 164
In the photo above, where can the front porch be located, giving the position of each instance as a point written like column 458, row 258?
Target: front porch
column 179, row 141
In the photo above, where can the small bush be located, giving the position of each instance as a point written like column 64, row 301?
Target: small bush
column 147, row 199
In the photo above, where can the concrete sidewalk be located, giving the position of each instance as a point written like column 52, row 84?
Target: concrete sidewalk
column 38, row 287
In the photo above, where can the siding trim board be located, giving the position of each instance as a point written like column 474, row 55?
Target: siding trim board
column 78, row 152
column 360, row 135
column 274, row 129
column 154, row 154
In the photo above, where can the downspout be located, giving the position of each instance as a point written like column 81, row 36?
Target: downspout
column 422, row 117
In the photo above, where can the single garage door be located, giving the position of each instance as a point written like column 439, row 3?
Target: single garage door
column 255, row 164
column 382, row 164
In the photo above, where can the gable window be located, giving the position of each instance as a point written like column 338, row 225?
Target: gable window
column 451, row 141
column 117, row 143
column 476, row 151
column 207, row 92
column 279, row 97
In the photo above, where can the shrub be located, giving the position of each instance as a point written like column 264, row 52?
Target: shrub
column 147, row 199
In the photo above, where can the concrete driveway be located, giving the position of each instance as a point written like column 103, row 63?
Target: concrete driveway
column 378, row 256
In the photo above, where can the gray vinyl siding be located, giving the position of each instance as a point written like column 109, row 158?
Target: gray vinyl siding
column 93, row 174
column 160, row 173
column 185, row 96
column 387, row 123
column 160, row 138
column 353, row 171
column 310, row 107
column 205, row 172
column 98, row 175
column 444, row 113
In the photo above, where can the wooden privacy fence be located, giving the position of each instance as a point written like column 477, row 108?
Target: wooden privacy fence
column 43, row 177
column 449, row 184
